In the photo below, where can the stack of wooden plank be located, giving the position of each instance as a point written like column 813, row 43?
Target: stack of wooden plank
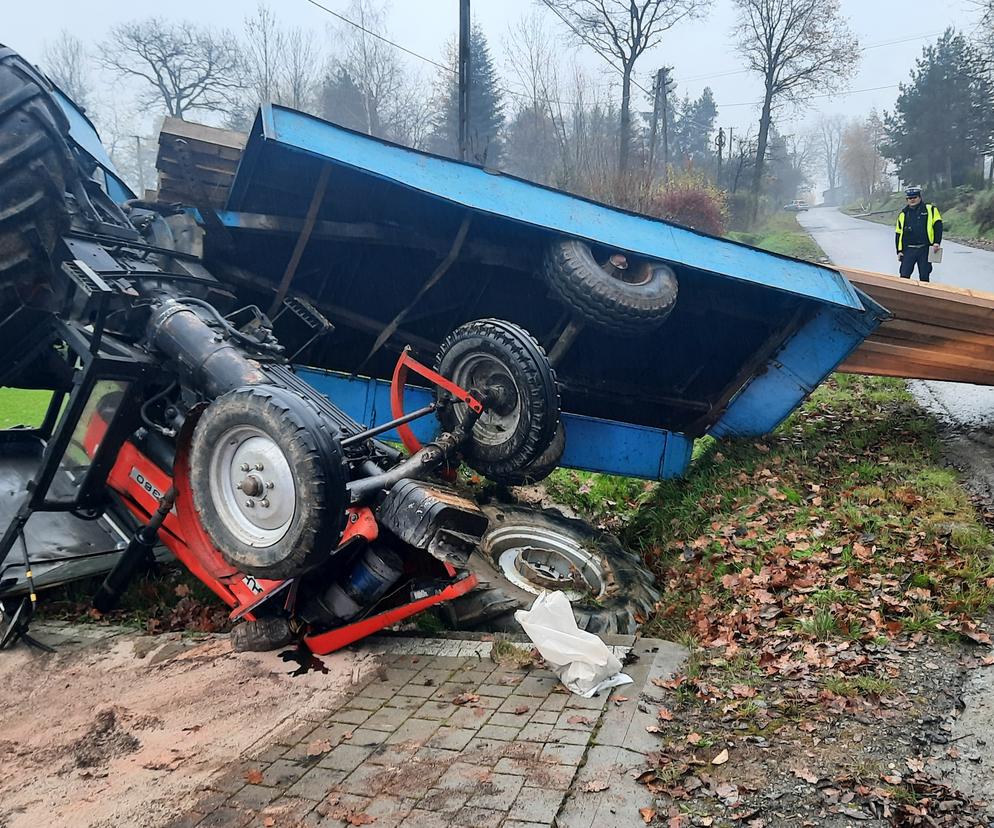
column 938, row 332
column 197, row 163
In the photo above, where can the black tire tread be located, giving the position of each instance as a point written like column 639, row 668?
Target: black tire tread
column 319, row 471
column 492, row 604
column 36, row 167
column 569, row 275
column 542, row 389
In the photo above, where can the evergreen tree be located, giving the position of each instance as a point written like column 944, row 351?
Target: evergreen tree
column 695, row 126
column 340, row 100
column 486, row 107
column 942, row 122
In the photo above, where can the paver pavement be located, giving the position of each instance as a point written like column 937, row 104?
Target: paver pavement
column 439, row 735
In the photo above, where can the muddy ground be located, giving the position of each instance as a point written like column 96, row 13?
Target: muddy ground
column 123, row 733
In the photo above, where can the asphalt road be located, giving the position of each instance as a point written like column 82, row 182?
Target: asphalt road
column 968, row 441
column 859, row 243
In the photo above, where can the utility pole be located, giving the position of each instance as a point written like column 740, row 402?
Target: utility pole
column 464, row 60
column 719, row 142
column 656, row 103
column 660, row 93
column 667, row 87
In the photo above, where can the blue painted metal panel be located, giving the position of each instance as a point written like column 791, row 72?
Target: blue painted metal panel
column 521, row 201
column 801, row 365
column 592, row 444
column 84, row 134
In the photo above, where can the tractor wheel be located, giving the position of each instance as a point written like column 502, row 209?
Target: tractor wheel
column 621, row 296
column 268, row 481
column 36, row 168
column 521, row 422
column 526, row 551
column 541, row 467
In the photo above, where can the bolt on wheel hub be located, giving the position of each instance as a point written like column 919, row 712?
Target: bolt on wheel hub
column 252, row 486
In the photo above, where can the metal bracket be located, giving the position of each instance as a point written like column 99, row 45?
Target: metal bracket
column 407, row 363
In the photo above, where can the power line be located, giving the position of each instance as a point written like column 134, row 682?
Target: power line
column 823, row 95
column 861, row 49
column 371, row 33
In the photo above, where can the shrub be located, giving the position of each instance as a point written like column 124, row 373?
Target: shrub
column 693, row 201
column 983, row 211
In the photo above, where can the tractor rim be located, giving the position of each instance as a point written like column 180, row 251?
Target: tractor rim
column 537, row 559
column 252, row 486
column 500, row 418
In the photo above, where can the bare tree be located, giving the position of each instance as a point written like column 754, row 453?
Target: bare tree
column 181, row 66
column 370, row 63
column 862, row 163
column 263, row 54
column 301, row 65
column 65, row 62
column 538, row 137
column 797, row 47
column 621, row 31
column 827, row 136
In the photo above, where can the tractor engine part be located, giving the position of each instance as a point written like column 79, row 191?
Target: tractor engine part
column 268, row 477
column 207, row 360
column 507, row 365
column 373, row 573
column 434, row 518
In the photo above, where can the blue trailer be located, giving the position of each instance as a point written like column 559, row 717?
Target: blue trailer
column 359, row 225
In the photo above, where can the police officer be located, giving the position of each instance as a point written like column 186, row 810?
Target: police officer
column 919, row 228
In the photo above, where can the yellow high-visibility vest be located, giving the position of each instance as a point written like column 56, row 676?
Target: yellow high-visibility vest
column 933, row 216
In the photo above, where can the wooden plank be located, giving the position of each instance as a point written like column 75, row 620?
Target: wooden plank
column 938, row 332
column 205, row 134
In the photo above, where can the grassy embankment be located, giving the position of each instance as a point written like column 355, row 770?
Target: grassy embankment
column 956, row 207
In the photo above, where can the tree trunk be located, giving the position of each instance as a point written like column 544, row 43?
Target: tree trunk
column 625, row 126
column 764, row 134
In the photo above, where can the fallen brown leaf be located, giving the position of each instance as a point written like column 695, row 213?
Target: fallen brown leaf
column 253, row 776
column 721, row 758
column 665, row 714
column 466, row 698
column 318, row 746
column 806, row 775
column 520, row 709
column 579, row 720
column 647, row 814
column 595, row 785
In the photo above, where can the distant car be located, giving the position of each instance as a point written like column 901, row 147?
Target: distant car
column 795, row 206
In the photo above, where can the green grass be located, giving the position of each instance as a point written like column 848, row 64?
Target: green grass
column 20, row 406
column 781, row 233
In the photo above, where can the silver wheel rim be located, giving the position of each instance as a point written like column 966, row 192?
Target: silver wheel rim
column 252, row 486
column 537, row 559
column 497, row 423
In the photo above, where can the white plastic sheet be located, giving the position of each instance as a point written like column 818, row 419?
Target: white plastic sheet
column 581, row 660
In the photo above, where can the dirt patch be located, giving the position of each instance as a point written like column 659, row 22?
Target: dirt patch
column 105, row 740
column 106, row 733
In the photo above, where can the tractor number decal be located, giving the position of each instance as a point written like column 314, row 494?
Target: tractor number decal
column 253, row 585
column 143, row 481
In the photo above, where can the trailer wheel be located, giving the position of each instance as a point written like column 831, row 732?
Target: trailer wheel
column 36, row 165
column 268, row 481
column 521, row 423
column 541, row 467
column 622, row 296
column 526, row 551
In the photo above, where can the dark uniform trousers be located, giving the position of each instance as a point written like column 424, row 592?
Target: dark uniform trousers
column 916, row 254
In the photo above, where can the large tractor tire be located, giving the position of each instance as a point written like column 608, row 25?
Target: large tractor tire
column 268, row 481
column 36, row 168
column 526, row 551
